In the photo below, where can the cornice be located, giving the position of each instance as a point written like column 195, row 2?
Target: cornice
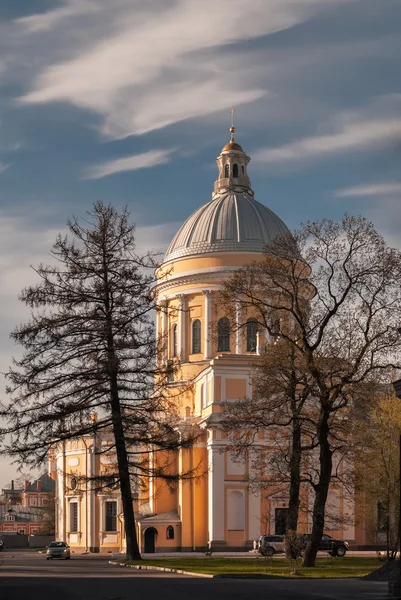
column 196, row 277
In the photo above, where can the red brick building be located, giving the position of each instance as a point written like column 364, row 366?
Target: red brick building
column 39, row 492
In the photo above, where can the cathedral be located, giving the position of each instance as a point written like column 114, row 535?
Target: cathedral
column 218, row 510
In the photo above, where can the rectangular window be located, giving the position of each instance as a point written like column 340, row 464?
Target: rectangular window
column 111, row 516
column 73, row 517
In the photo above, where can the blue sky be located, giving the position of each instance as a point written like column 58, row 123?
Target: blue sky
column 128, row 101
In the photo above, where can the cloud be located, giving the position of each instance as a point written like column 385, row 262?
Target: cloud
column 351, row 136
column 143, row 65
column 129, row 163
column 4, row 167
column 48, row 20
column 375, row 189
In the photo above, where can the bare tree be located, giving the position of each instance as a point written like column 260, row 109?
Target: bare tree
column 281, row 406
column 90, row 347
column 48, row 521
column 331, row 291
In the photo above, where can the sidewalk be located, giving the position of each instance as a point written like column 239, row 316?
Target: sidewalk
column 250, row 554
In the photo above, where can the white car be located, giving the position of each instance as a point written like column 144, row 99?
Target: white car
column 58, row 550
column 269, row 545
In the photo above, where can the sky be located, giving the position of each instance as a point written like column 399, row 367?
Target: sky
column 128, row 101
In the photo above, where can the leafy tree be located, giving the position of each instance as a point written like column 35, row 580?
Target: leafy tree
column 377, row 437
column 331, row 291
column 89, row 347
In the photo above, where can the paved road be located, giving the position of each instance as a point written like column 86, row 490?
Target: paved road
column 31, row 577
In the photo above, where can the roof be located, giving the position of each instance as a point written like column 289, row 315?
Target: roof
column 171, row 517
column 21, row 513
column 48, row 484
column 232, row 222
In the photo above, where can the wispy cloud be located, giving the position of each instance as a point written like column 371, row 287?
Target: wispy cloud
column 4, row 167
column 389, row 188
column 129, row 163
column 147, row 65
column 350, row 136
column 52, row 18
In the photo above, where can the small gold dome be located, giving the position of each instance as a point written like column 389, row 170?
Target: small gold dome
column 232, row 144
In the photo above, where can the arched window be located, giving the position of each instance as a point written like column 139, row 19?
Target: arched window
column 174, row 347
column 251, row 331
column 235, row 170
column 170, row 533
column 196, row 337
column 226, row 171
column 223, row 335
column 243, row 169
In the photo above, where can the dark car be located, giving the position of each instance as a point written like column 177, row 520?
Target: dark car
column 332, row 546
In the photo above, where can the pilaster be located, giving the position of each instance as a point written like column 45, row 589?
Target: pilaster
column 216, row 497
column 238, row 330
column 207, row 343
column 182, row 321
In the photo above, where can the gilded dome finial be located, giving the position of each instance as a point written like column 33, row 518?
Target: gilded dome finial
column 232, row 128
column 232, row 144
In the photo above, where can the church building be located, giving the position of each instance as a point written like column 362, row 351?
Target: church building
column 218, row 510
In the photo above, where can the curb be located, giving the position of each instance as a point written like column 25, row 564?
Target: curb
column 165, row 569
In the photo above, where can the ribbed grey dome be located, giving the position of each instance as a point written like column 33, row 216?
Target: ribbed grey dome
column 231, row 222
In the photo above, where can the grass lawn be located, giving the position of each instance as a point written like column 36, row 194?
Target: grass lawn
column 326, row 568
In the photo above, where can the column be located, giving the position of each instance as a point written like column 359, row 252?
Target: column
column 254, row 512
column 216, row 498
column 260, row 341
column 61, row 504
column 164, row 332
column 182, row 320
column 238, row 330
column 207, row 325
column 91, row 504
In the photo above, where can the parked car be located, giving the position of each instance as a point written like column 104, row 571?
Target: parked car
column 58, row 550
column 268, row 545
column 332, row 546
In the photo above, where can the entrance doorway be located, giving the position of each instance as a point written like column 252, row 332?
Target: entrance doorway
column 280, row 521
column 150, row 537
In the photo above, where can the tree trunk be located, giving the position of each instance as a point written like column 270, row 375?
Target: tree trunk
column 292, row 550
column 125, row 483
column 321, row 491
column 131, row 540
